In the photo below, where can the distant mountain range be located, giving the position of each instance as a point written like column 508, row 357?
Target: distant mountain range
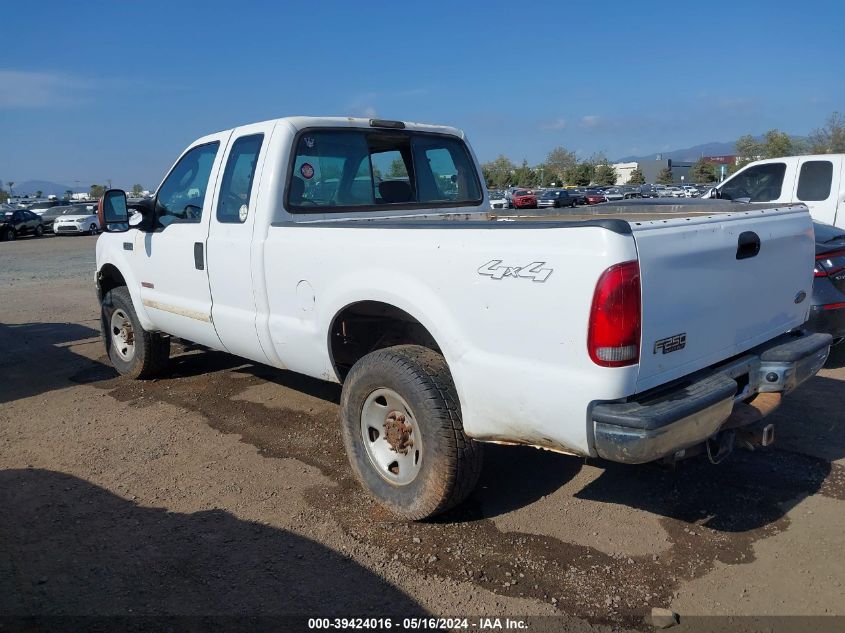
column 692, row 154
column 46, row 187
column 689, row 154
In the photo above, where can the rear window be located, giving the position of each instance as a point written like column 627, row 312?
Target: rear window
column 335, row 170
column 814, row 180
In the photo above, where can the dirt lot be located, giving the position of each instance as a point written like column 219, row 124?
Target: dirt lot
column 223, row 489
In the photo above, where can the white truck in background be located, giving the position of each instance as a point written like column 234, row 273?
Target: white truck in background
column 365, row 252
column 817, row 181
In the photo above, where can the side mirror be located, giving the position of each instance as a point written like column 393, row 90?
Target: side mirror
column 114, row 214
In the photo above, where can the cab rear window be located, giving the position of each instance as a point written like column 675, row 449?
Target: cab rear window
column 337, row 170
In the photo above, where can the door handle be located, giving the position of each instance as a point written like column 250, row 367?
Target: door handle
column 748, row 245
column 199, row 259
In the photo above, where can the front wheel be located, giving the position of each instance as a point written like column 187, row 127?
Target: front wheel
column 403, row 433
column 39, row 230
column 133, row 351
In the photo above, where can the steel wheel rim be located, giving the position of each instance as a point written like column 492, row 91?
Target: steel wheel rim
column 122, row 335
column 391, row 436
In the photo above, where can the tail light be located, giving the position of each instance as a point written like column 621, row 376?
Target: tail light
column 829, row 263
column 613, row 339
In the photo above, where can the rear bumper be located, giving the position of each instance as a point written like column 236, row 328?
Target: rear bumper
column 658, row 424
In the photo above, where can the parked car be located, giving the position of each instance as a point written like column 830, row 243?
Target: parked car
column 555, row 198
column 523, row 199
column 827, row 311
column 578, row 195
column 613, row 194
column 77, row 222
column 675, row 192
column 690, row 191
column 43, row 205
column 14, row 224
column 648, row 191
column 817, row 181
column 632, row 348
column 498, row 200
column 594, row 196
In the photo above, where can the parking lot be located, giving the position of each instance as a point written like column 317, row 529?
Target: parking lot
column 224, row 488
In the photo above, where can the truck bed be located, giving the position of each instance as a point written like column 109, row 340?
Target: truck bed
column 614, row 216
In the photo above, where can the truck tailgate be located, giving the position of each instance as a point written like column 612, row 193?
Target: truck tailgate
column 706, row 295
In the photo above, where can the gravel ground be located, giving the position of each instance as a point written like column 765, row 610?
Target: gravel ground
column 223, row 488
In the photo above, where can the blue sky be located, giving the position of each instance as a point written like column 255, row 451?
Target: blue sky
column 114, row 90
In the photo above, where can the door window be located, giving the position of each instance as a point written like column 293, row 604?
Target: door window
column 236, row 189
column 761, row 183
column 814, row 180
column 182, row 194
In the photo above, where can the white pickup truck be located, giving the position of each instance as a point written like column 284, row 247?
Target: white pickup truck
column 365, row 252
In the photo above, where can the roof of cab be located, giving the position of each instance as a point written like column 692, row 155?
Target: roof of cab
column 302, row 122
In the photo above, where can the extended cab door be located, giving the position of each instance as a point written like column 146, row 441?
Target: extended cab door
column 171, row 258
column 231, row 256
column 818, row 186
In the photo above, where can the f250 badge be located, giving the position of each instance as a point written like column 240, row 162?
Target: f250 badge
column 671, row 343
column 533, row 271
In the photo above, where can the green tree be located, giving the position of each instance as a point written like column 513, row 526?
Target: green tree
column 137, row 190
column 829, row 139
column 777, row 144
column 397, row 169
column 637, row 177
column 580, row 174
column 96, row 192
column 703, row 171
column 68, row 194
column 39, row 193
column 665, row 176
column 559, row 161
column 605, row 175
column 524, row 176
column 748, row 149
column 498, row 173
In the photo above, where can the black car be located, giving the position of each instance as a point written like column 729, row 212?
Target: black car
column 827, row 311
column 20, row 222
column 647, row 191
column 555, row 198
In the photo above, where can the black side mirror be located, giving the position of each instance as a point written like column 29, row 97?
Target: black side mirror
column 114, row 214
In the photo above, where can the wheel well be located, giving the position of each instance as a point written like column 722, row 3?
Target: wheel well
column 108, row 278
column 361, row 328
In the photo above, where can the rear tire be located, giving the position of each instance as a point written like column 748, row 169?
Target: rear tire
column 92, row 230
column 9, row 235
column 426, row 464
column 132, row 350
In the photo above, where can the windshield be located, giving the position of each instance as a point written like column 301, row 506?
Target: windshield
column 42, row 205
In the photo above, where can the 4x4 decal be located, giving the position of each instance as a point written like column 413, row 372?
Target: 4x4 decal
column 533, row 271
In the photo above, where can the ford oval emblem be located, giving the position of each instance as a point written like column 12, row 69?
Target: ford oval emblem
column 800, row 297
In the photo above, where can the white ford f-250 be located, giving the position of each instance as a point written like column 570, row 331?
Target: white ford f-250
column 365, row 252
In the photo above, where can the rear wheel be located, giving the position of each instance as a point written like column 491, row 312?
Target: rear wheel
column 403, row 433
column 92, row 230
column 9, row 235
column 133, row 351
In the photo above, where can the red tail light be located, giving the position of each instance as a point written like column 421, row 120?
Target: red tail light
column 613, row 339
column 829, row 263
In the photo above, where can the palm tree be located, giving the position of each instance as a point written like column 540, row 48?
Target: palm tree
column 11, row 184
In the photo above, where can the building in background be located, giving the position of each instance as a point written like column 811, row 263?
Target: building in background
column 651, row 169
column 721, row 163
column 623, row 172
